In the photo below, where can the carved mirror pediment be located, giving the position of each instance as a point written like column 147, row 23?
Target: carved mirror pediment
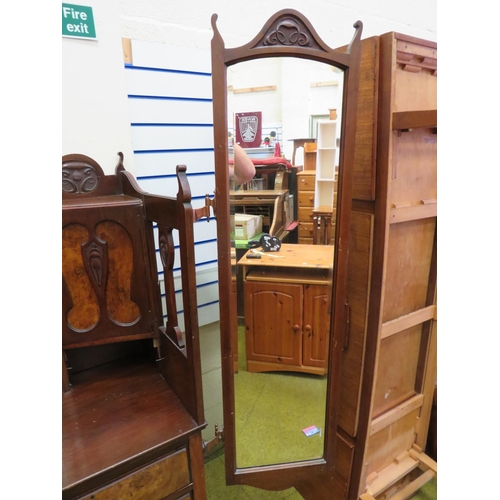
column 273, row 305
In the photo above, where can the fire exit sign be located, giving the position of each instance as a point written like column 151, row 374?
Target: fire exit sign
column 78, row 21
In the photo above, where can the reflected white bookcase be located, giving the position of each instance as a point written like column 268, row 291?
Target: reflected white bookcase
column 326, row 161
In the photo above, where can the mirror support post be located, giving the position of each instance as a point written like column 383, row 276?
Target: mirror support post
column 219, row 85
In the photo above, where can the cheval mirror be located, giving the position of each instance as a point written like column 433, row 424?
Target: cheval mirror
column 282, row 313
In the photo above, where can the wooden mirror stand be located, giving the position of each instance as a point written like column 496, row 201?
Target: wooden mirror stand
column 286, row 34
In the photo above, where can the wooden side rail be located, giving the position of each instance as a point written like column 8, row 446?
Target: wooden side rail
column 377, row 483
column 407, row 120
column 177, row 354
column 415, row 485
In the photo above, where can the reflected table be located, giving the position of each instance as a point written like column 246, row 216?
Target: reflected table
column 287, row 308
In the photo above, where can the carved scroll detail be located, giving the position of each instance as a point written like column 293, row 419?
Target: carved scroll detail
column 79, row 179
column 96, row 263
column 288, row 32
column 166, row 249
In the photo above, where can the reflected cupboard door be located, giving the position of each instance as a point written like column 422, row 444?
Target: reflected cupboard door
column 317, row 300
column 273, row 325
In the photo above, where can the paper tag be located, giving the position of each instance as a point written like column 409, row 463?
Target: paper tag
column 310, row 431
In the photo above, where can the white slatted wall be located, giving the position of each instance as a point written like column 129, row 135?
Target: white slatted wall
column 170, row 103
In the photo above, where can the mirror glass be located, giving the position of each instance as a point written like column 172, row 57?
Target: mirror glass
column 286, row 114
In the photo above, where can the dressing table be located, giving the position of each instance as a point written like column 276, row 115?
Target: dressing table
column 132, row 406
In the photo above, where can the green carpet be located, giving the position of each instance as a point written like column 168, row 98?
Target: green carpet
column 428, row 491
column 268, row 432
column 272, row 409
column 217, row 489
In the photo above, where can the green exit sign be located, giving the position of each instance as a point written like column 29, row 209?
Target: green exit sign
column 78, row 21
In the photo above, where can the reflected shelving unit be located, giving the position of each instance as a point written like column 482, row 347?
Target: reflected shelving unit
column 326, row 182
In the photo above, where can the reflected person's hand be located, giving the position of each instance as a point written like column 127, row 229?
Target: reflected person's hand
column 243, row 170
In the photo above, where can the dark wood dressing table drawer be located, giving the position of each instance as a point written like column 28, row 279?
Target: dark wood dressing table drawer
column 153, row 482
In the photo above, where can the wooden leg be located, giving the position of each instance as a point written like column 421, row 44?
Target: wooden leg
column 315, row 230
column 328, row 230
column 415, row 485
column 66, row 386
column 197, row 467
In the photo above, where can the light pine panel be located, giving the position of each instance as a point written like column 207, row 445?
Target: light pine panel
column 408, row 267
column 414, row 168
column 397, row 369
column 415, row 91
column 404, row 281
column 389, row 443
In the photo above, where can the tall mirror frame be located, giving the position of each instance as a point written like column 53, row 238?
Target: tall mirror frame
column 308, row 45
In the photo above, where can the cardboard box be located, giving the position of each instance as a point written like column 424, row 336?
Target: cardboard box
column 247, row 226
